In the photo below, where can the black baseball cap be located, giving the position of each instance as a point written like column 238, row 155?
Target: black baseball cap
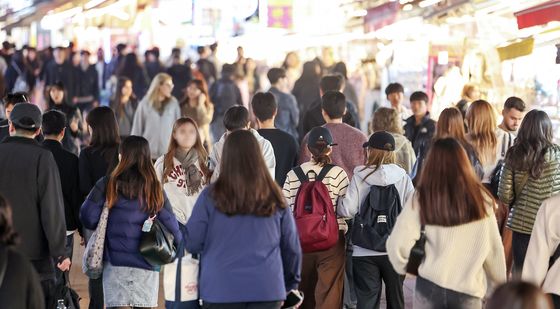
column 26, row 116
column 382, row 140
column 320, row 134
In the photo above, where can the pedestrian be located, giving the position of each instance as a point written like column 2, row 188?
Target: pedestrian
column 450, row 124
column 349, row 89
column 292, row 65
column 124, row 105
column 152, row 64
column 10, row 100
column 224, row 94
column 285, row 145
column 378, row 176
column 237, row 118
column 96, row 161
column 513, row 112
column 287, row 117
column 395, row 96
column 60, row 70
column 541, row 265
column 419, row 128
column 306, row 89
column 130, row 67
column 31, row 184
column 156, row 114
column 530, row 175
column 389, row 120
column 314, row 118
column 117, row 57
column 247, row 205
column 58, row 100
column 452, row 209
column 252, row 77
column 181, row 75
column 518, row 294
column 23, row 290
column 17, row 74
column 133, row 195
column 470, row 94
column 197, row 106
column 350, row 153
column 87, row 84
column 206, row 66
column 322, row 276
column 54, row 129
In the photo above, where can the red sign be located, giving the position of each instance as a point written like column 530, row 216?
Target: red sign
column 381, row 16
column 539, row 15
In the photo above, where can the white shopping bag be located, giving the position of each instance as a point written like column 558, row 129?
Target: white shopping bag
column 188, row 279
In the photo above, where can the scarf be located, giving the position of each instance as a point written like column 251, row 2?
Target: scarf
column 193, row 175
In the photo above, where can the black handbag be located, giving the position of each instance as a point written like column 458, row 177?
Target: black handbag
column 63, row 293
column 417, row 253
column 156, row 246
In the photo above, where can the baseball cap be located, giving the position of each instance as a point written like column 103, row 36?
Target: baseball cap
column 26, row 116
column 320, row 134
column 381, row 140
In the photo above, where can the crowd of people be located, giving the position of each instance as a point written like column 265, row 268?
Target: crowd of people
column 267, row 199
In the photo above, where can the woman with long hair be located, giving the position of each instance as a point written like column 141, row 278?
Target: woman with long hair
column 454, row 212
column 389, row 120
column 96, row 161
column 292, row 65
column 156, row 114
column 133, row 195
column 370, row 266
column 183, row 173
column 530, row 175
column 57, row 100
column 24, row 288
column 247, row 205
column 322, row 278
column 469, row 94
column 124, row 104
column 197, row 106
column 306, row 88
column 131, row 68
column 452, row 125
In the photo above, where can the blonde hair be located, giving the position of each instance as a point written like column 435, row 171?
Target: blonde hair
column 466, row 90
column 387, row 119
column 482, row 124
column 154, row 92
column 378, row 157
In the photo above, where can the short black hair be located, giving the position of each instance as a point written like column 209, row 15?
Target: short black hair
column 275, row 74
column 419, row 96
column 200, row 50
column 228, row 70
column 121, row 47
column 394, row 88
column 334, row 104
column 85, row 52
column 264, row 105
column 515, row 102
column 15, row 98
column 333, row 82
column 53, row 122
column 236, row 117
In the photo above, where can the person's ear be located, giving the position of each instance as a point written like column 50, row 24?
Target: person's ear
column 61, row 135
column 325, row 116
column 11, row 128
column 248, row 125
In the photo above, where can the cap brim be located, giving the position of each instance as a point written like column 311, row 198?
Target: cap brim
column 365, row 145
column 334, row 144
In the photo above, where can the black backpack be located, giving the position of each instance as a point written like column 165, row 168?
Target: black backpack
column 376, row 218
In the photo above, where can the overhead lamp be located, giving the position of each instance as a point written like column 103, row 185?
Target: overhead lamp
column 408, row 7
column 92, row 4
column 427, row 3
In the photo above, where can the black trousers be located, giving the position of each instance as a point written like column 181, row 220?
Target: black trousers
column 46, row 270
column 519, row 244
column 369, row 274
column 555, row 300
column 262, row 305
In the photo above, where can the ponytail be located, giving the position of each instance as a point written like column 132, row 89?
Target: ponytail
column 320, row 153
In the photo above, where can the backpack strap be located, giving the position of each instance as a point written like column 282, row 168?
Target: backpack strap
column 300, row 174
column 324, row 171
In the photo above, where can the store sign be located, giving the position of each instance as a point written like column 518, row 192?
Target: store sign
column 539, row 15
column 381, row 16
column 280, row 14
column 517, row 49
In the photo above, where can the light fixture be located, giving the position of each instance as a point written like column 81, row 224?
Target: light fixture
column 427, row 3
column 92, row 4
column 408, row 7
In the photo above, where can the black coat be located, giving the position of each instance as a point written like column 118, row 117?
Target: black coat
column 4, row 129
column 93, row 166
column 67, row 163
column 224, row 94
column 61, row 72
column 30, row 182
column 181, row 75
column 21, row 288
column 87, row 82
column 420, row 135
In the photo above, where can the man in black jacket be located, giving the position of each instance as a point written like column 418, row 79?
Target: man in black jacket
column 87, row 84
column 31, row 184
column 419, row 128
column 10, row 100
column 54, row 124
column 59, row 69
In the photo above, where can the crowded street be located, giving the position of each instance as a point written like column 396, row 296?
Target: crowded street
column 268, row 154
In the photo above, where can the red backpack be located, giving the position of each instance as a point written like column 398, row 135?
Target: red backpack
column 314, row 213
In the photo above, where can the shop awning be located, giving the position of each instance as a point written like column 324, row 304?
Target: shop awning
column 517, row 49
column 539, row 15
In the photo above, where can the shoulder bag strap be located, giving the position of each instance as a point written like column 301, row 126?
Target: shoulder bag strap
column 518, row 189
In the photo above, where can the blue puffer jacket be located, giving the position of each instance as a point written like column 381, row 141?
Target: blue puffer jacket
column 124, row 226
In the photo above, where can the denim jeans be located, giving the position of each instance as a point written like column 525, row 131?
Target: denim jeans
column 431, row 296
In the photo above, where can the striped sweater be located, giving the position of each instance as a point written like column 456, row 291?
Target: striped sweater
column 336, row 181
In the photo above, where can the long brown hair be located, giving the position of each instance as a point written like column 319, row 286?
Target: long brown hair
column 135, row 177
column 449, row 191
column 8, row 235
column 378, row 157
column 202, row 154
column 245, row 186
column 482, row 124
column 532, row 143
column 451, row 124
column 519, row 295
column 201, row 85
column 320, row 153
column 104, row 133
column 116, row 104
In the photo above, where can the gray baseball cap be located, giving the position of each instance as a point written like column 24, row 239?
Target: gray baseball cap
column 26, row 116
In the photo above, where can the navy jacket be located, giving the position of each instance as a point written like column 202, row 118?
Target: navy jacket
column 287, row 118
column 244, row 258
column 420, row 135
column 124, row 226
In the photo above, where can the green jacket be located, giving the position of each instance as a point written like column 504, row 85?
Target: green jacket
column 524, row 205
